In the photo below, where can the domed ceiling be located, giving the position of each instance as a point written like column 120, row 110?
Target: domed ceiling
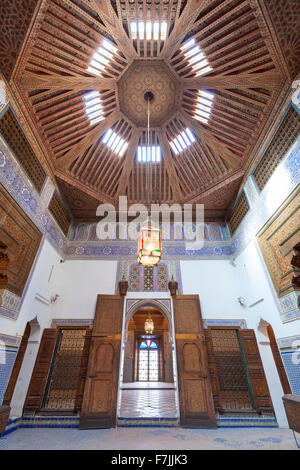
column 216, row 75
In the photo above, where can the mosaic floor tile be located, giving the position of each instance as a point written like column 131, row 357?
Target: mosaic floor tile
column 148, row 403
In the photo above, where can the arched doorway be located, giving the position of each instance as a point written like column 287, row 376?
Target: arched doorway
column 148, row 358
column 148, row 387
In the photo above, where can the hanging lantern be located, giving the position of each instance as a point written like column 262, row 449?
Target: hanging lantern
column 149, row 246
column 149, row 325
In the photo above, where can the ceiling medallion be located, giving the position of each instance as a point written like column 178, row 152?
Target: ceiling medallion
column 147, row 76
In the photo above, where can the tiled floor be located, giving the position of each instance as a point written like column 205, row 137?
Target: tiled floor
column 147, row 385
column 148, row 403
column 149, row 438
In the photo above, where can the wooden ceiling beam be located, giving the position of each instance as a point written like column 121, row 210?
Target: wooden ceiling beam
column 169, row 163
column 113, row 25
column 128, row 162
column 30, row 82
column 102, row 198
column 64, row 162
column 210, row 139
column 186, row 22
column 194, row 198
column 234, row 11
column 266, row 80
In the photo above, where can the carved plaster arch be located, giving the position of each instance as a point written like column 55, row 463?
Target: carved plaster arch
column 160, row 305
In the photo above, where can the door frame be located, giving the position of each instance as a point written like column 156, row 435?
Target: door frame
column 165, row 307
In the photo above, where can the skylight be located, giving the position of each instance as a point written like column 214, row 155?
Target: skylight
column 93, row 107
column 115, row 142
column 196, row 57
column 203, row 106
column 102, row 57
column 149, row 30
column 182, row 141
column 149, row 154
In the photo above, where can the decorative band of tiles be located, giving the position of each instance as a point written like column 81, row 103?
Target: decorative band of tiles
column 73, row 422
column 241, row 323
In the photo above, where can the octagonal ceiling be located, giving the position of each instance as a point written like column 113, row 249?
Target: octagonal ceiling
column 236, row 63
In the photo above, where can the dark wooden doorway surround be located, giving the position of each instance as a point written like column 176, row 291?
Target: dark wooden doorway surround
column 17, row 367
column 101, row 387
column 195, row 393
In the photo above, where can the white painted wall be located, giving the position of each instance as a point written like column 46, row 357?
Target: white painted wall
column 38, row 312
column 260, row 286
column 78, row 282
column 39, row 283
column 251, row 263
column 218, row 284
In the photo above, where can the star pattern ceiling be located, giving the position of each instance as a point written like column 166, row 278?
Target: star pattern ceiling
column 176, row 49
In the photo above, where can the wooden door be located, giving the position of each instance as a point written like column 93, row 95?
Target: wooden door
column 278, row 361
column 195, row 394
column 260, row 389
column 101, row 388
column 40, row 372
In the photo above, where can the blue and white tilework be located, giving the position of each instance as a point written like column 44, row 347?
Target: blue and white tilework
column 291, row 361
column 8, row 356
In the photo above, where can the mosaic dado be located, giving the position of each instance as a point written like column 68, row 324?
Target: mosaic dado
column 56, row 322
column 289, row 309
column 9, row 304
column 209, row 232
column 10, row 340
column 241, row 323
column 289, row 342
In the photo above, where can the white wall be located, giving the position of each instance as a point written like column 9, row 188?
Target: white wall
column 39, row 313
column 251, row 262
column 218, row 284
column 78, row 282
column 38, row 283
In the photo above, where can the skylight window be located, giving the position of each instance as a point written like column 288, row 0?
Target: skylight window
column 102, row 57
column 149, row 154
column 182, row 141
column 115, row 142
column 203, row 107
column 149, row 30
column 93, row 107
column 196, row 57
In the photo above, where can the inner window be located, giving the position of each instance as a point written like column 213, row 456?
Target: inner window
column 148, row 360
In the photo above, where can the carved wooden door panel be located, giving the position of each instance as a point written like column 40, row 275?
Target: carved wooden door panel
column 195, row 394
column 101, row 387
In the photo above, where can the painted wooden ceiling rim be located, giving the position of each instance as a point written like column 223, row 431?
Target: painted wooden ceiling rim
column 247, row 78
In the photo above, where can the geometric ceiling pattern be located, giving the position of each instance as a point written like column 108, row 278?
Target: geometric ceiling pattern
column 233, row 56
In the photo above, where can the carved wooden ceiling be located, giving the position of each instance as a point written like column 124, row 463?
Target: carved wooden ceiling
column 244, row 73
